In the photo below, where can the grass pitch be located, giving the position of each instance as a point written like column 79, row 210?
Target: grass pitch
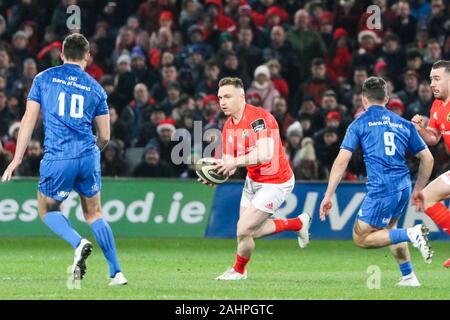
column 184, row 269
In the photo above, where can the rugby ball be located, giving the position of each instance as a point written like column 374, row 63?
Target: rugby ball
column 205, row 170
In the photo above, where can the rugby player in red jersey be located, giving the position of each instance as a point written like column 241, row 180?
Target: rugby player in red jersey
column 438, row 126
column 251, row 138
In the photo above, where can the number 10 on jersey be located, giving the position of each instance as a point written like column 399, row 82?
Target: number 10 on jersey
column 76, row 105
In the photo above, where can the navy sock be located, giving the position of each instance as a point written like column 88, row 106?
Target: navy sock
column 398, row 235
column 60, row 225
column 406, row 268
column 105, row 239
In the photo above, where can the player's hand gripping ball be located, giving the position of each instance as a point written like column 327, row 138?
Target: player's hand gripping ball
column 205, row 170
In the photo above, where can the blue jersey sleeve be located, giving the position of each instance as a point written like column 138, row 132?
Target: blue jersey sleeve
column 102, row 107
column 35, row 91
column 351, row 139
column 415, row 143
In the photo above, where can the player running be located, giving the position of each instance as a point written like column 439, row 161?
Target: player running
column 70, row 101
column 439, row 125
column 251, row 138
column 384, row 138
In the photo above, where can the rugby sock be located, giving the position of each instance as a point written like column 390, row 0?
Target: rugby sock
column 440, row 215
column 406, row 268
column 398, row 235
column 240, row 263
column 293, row 224
column 60, row 225
column 105, row 239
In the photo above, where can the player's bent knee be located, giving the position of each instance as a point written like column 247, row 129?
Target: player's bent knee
column 429, row 199
column 90, row 217
column 360, row 241
column 243, row 231
column 46, row 205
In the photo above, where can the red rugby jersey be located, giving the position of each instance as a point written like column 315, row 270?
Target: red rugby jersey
column 239, row 139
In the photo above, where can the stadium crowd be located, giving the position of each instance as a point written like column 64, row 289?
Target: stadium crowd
column 160, row 62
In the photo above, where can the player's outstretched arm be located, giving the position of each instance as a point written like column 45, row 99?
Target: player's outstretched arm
column 425, row 168
column 26, row 130
column 431, row 136
column 103, row 130
column 263, row 152
column 337, row 171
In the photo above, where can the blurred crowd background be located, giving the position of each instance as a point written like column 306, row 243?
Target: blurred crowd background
column 160, row 62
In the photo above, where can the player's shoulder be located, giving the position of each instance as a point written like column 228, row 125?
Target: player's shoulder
column 46, row 73
column 94, row 84
column 437, row 103
column 254, row 113
column 359, row 121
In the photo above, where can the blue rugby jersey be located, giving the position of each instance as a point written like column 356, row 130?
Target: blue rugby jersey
column 385, row 138
column 69, row 99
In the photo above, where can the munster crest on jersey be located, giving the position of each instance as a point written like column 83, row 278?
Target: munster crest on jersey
column 448, row 117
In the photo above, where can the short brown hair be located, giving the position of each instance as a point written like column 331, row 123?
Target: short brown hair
column 442, row 64
column 229, row 81
column 75, row 47
column 375, row 89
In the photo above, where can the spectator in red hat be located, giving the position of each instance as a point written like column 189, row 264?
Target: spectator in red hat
column 339, row 58
column 333, row 119
column 380, row 69
column 221, row 21
column 210, row 108
column 326, row 25
column 245, row 20
column 396, row 106
column 166, row 19
column 276, row 16
column 149, row 12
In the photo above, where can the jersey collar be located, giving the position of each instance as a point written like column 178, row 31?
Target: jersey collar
column 72, row 65
column 376, row 106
